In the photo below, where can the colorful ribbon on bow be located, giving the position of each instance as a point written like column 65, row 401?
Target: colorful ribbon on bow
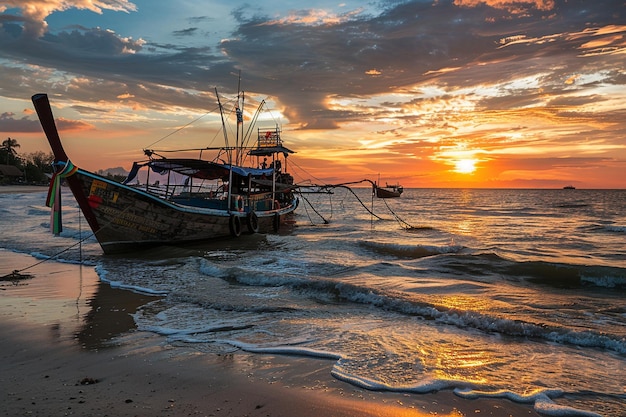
column 54, row 195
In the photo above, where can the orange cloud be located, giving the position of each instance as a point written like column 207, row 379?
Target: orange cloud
column 509, row 5
column 313, row 17
column 65, row 124
column 36, row 11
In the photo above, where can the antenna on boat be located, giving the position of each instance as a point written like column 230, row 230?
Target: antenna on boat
column 239, row 110
column 240, row 122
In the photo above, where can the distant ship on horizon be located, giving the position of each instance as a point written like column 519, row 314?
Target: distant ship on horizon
column 569, row 187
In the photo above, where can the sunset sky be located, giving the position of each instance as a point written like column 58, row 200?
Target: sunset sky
column 448, row 93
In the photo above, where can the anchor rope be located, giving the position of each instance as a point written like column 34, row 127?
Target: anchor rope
column 402, row 223
column 49, row 258
column 313, row 208
column 359, row 200
column 80, row 242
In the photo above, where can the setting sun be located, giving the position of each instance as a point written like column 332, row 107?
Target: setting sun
column 465, row 166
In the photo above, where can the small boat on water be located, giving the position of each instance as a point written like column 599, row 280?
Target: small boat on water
column 193, row 199
column 388, row 191
column 569, row 187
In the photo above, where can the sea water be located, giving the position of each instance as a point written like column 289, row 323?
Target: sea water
column 513, row 294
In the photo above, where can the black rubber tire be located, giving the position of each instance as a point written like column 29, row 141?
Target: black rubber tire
column 252, row 222
column 234, row 224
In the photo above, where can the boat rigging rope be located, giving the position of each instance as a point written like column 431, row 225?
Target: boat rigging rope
column 313, row 208
column 358, row 199
column 181, row 128
column 330, row 201
column 402, row 223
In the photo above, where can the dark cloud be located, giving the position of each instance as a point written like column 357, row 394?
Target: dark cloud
column 200, row 19
column 185, row 32
column 108, row 60
column 356, row 55
column 10, row 124
column 93, row 42
column 409, row 43
column 88, row 109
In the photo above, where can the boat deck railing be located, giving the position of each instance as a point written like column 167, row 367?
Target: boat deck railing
column 211, row 197
column 268, row 138
column 168, row 192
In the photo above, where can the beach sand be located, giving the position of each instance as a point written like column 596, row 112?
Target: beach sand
column 70, row 347
column 5, row 189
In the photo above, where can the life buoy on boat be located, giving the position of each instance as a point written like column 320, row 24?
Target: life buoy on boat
column 276, row 222
column 234, row 224
column 253, row 222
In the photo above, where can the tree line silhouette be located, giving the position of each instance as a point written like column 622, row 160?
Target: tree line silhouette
column 33, row 166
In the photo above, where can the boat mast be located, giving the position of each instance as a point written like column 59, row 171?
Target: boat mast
column 228, row 152
column 219, row 104
column 239, row 115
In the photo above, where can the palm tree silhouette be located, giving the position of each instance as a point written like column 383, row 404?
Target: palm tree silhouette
column 9, row 146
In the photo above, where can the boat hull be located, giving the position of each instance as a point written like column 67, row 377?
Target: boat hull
column 385, row 193
column 127, row 218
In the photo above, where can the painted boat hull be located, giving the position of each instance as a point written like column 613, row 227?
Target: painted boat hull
column 128, row 219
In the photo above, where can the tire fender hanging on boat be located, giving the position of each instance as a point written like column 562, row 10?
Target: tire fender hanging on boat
column 253, row 222
column 234, row 224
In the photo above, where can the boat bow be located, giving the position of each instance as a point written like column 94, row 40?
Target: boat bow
column 61, row 161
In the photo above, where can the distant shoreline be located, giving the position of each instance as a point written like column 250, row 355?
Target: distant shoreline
column 17, row 189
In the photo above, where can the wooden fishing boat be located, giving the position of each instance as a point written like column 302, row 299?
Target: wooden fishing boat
column 388, row 191
column 194, row 200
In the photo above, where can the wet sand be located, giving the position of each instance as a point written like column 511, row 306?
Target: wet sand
column 69, row 347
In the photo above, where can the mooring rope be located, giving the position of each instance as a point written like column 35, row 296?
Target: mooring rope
column 359, row 200
column 402, row 223
column 313, row 208
column 17, row 272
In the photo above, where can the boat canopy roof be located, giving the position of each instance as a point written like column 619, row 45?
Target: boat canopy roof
column 206, row 170
column 270, row 150
column 197, row 168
